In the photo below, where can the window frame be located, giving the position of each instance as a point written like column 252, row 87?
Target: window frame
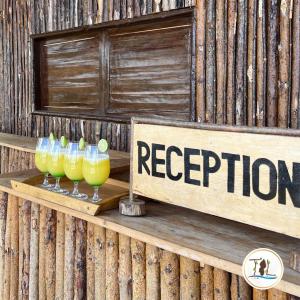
column 106, row 27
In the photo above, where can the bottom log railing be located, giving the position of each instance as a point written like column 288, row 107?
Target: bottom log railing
column 46, row 254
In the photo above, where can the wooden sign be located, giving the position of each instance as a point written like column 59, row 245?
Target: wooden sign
column 249, row 175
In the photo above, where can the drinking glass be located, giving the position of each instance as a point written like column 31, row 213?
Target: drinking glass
column 96, row 169
column 41, row 157
column 73, row 168
column 55, row 165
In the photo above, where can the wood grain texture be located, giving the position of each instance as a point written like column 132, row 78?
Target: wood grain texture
column 125, row 267
column 221, row 284
column 59, row 256
column 70, row 230
column 14, row 248
column 80, row 283
column 3, row 221
column 284, row 53
column 260, row 295
column 200, row 60
column 224, row 198
column 50, row 246
column 112, row 256
column 200, row 227
column 26, row 220
column 138, row 269
column 100, row 262
column 22, row 18
column 152, row 272
column 207, row 283
column 34, row 252
column 7, row 251
column 240, row 289
column 135, row 74
column 169, row 274
column 42, row 253
column 90, row 262
column 189, row 278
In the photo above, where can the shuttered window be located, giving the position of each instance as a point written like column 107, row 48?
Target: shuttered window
column 139, row 67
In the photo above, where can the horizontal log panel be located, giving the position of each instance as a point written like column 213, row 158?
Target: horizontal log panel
column 101, row 71
column 118, row 266
column 125, row 100
column 124, row 267
column 150, row 72
column 70, row 71
column 149, row 108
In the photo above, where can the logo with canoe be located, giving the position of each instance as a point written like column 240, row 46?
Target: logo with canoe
column 263, row 268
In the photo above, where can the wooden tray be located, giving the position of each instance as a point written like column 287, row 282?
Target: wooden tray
column 111, row 192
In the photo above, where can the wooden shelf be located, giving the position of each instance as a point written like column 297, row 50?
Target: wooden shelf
column 120, row 161
column 211, row 240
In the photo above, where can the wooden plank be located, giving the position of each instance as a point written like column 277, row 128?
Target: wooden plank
column 42, row 252
column 210, row 57
column 3, row 221
column 112, row 257
column 80, row 261
column 196, row 239
column 90, row 262
column 138, row 270
column 26, row 248
column 251, row 65
column 119, row 160
column 125, row 268
column 189, row 278
column 100, row 262
column 111, row 192
column 261, row 64
column 256, row 177
column 7, row 251
column 69, row 257
column 240, row 288
column 59, row 256
column 152, row 272
column 220, row 60
column 34, row 252
column 169, row 274
column 207, row 282
column 14, row 248
column 50, row 245
column 221, row 284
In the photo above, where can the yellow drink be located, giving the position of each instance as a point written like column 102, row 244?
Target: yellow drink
column 96, row 172
column 41, row 158
column 73, row 167
column 56, row 164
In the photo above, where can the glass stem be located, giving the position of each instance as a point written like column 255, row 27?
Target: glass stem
column 75, row 190
column 57, row 185
column 46, row 182
column 96, row 197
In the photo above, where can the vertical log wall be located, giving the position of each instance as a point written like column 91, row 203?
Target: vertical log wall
column 247, row 74
column 46, row 254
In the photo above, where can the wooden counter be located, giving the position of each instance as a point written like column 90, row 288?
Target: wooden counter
column 157, row 255
column 120, row 161
column 211, row 240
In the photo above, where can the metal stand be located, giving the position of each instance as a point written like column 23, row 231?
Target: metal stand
column 132, row 206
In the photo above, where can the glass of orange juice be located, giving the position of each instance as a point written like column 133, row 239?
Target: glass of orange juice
column 40, row 158
column 55, row 164
column 73, row 168
column 95, row 169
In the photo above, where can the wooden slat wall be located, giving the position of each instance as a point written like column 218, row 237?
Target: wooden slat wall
column 46, row 254
column 248, row 55
column 247, row 73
